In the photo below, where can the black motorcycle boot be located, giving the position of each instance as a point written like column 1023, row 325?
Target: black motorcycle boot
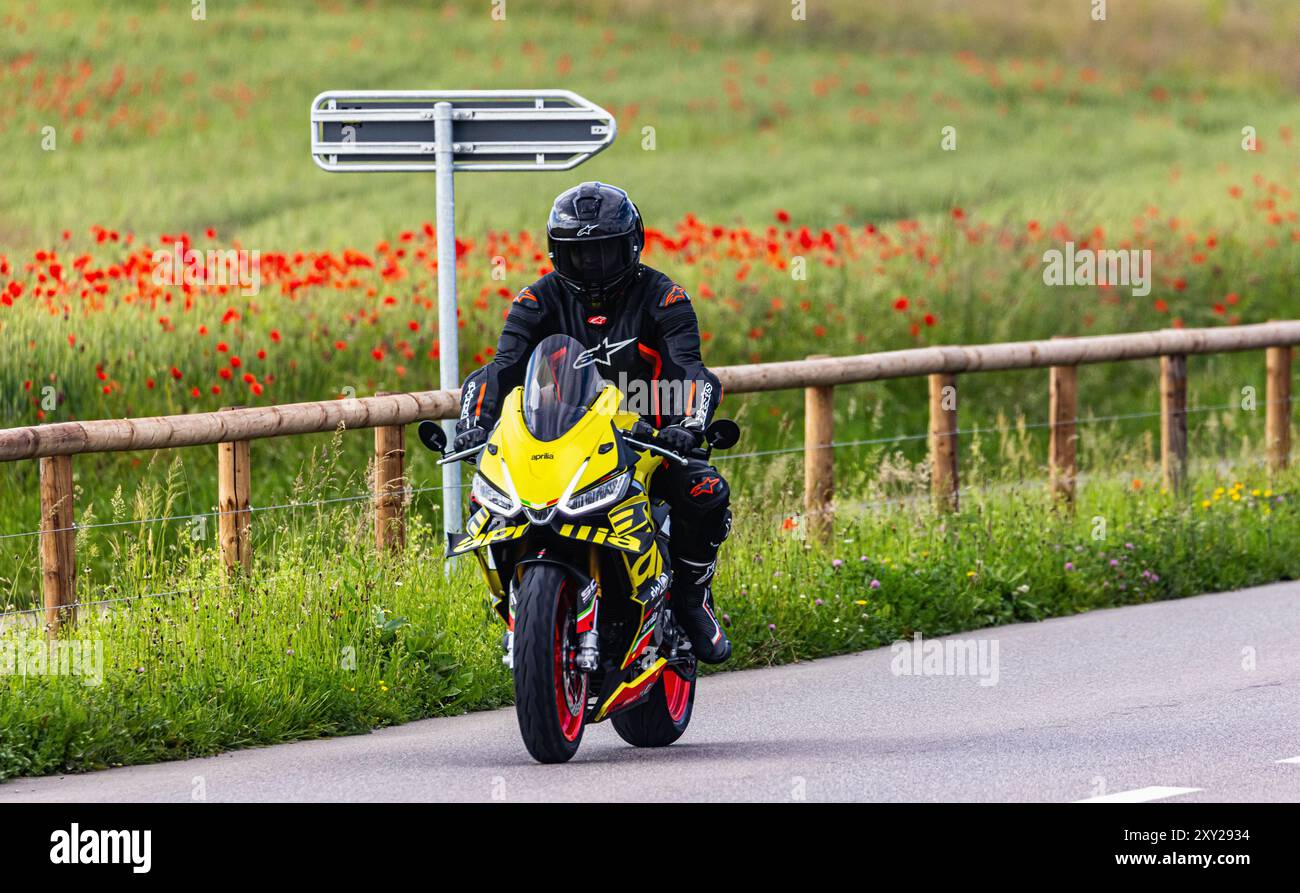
column 693, row 607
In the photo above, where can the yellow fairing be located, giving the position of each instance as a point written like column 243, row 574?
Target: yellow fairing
column 542, row 470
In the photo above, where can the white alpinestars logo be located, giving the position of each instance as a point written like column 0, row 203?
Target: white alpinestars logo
column 600, row 353
column 589, row 228
column 706, row 575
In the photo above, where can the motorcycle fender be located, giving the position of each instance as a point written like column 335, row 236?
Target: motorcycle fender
column 538, row 556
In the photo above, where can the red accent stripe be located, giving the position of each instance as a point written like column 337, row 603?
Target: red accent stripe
column 651, row 353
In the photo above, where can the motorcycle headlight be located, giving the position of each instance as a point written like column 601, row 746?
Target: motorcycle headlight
column 595, row 496
column 504, row 504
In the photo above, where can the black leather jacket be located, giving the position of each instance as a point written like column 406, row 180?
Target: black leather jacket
column 650, row 335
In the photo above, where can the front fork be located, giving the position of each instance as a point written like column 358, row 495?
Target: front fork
column 588, row 658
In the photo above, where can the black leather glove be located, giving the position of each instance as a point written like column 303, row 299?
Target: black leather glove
column 469, row 438
column 678, row 439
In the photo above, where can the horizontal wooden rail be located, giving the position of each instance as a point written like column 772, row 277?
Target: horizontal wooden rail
column 230, row 426
column 924, row 361
column 196, row 429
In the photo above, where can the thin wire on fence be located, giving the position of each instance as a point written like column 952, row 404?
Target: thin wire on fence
column 361, row 497
column 133, row 598
column 1004, row 429
column 1038, row 485
column 872, row 441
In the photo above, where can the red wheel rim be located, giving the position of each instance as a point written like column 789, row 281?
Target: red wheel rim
column 677, row 692
column 570, row 683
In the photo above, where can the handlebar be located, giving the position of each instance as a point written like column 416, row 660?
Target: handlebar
column 655, row 448
column 448, row 458
column 722, row 434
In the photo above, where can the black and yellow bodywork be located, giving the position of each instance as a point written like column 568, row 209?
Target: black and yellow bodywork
column 619, row 546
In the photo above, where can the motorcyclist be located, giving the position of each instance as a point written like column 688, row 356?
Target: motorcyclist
column 636, row 321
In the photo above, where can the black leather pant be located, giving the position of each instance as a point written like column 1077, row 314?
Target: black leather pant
column 701, row 512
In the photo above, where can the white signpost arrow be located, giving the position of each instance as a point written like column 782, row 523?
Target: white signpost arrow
column 447, row 131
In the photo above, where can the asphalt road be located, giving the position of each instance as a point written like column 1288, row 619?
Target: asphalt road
column 1197, row 699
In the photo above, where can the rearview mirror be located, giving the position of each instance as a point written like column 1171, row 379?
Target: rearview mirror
column 723, row 434
column 432, row 436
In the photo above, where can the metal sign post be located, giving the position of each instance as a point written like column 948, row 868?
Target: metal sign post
column 447, row 131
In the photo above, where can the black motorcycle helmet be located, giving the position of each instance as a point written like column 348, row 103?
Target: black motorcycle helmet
column 595, row 237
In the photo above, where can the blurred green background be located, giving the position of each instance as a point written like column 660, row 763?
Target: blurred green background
column 165, row 123
column 737, row 115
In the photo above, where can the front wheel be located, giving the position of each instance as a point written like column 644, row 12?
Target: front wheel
column 550, row 690
column 664, row 715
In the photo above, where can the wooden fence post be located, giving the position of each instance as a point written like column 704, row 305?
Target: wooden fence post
column 1277, row 412
column 1173, row 420
column 58, row 542
column 943, row 440
column 819, row 458
column 234, row 521
column 1063, row 413
column 390, row 488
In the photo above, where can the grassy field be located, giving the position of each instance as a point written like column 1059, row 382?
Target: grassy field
column 794, row 178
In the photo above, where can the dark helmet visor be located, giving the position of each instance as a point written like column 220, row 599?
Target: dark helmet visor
column 594, row 261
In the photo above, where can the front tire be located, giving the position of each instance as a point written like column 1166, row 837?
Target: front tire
column 664, row 715
column 550, row 691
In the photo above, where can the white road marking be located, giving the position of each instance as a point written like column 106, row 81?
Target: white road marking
column 1290, row 760
column 1140, row 795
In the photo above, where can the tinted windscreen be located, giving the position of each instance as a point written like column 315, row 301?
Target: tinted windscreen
column 556, row 392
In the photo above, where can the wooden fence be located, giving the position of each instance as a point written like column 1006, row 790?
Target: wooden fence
column 231, row 430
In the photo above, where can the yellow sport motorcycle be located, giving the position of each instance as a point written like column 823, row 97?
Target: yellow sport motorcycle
column 575, row 554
